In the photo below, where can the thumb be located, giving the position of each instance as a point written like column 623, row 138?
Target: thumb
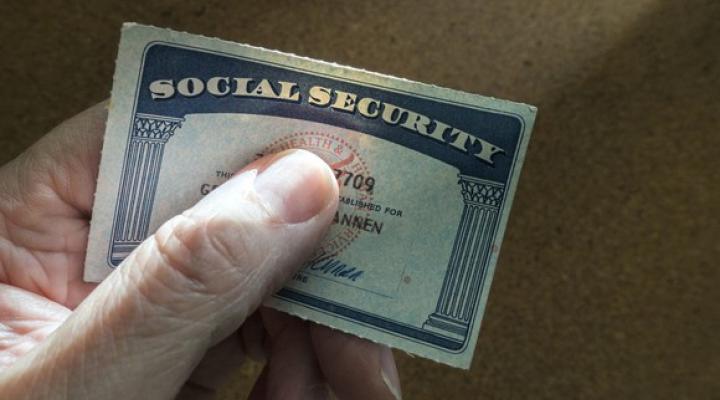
column 144, row 329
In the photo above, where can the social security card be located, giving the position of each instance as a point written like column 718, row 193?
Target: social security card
column 427, row 178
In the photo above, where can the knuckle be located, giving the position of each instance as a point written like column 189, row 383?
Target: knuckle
column 211, row 253
column 237, row 246
column 230, row 241
column 177, row 244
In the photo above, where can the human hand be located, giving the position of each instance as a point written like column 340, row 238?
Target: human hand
column 185, row 300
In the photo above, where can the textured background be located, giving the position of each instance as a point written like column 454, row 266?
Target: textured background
column 607, row 285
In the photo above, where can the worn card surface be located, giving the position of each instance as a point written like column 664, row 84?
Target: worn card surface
column 427, row 177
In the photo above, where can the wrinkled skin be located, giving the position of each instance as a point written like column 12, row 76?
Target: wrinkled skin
column 141, row 335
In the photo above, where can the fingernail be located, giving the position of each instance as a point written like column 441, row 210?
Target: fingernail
column 389, row 372
column 296, row 185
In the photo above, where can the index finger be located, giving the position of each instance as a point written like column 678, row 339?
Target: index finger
column 355, row 369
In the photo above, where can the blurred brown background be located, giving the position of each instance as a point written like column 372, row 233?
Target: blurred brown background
column 607, row 285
